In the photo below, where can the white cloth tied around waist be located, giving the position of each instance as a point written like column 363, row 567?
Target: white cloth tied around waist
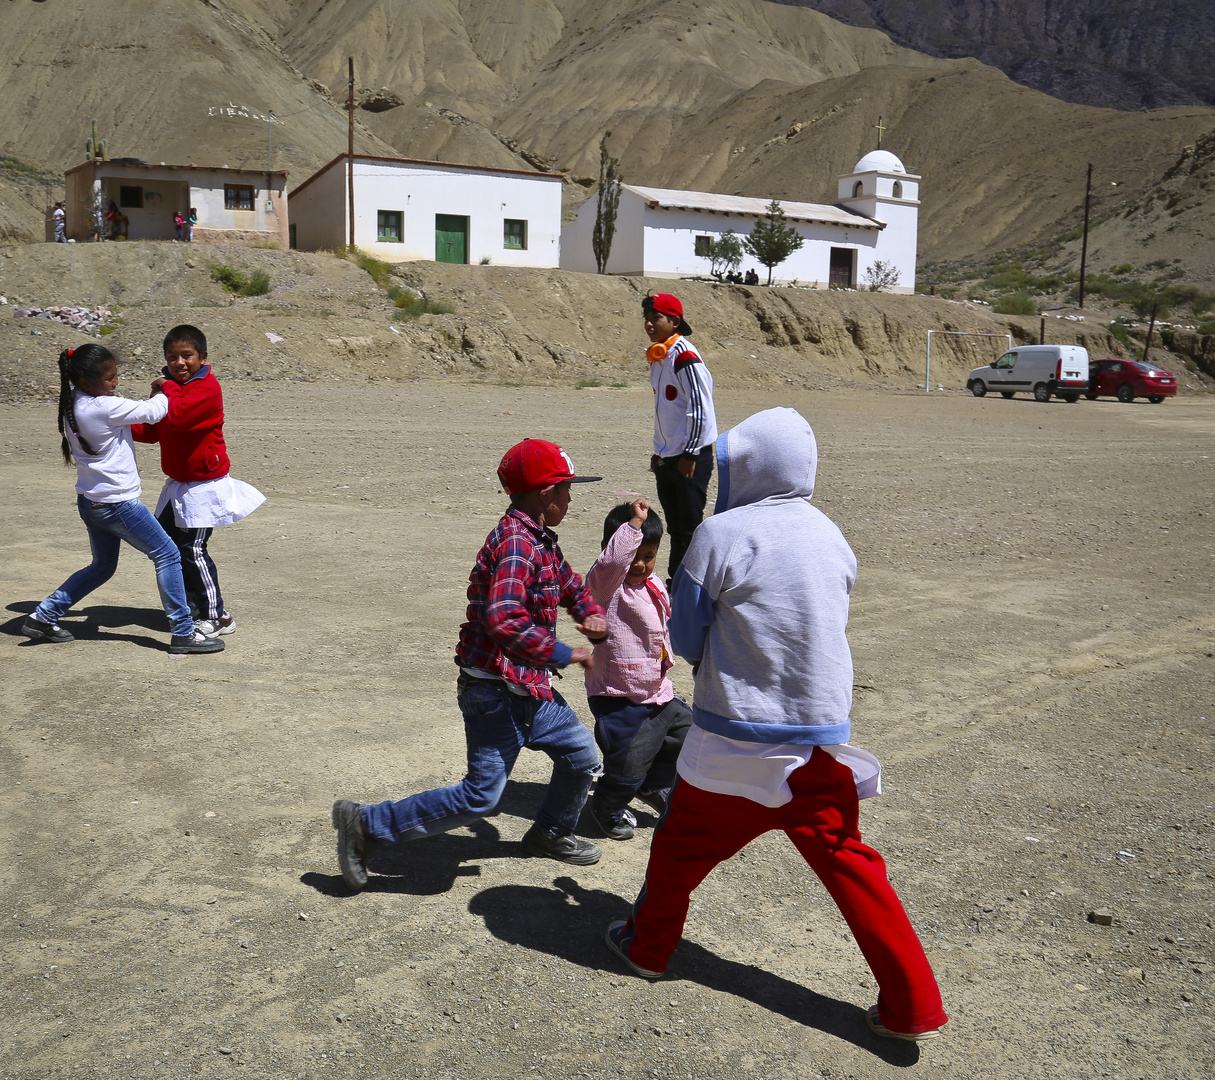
column 209, row 504
column 760, row 771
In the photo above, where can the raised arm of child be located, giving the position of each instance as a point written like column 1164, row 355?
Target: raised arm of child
column 612, row 566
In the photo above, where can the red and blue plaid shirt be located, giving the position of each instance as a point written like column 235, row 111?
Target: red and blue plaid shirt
column 519, row 580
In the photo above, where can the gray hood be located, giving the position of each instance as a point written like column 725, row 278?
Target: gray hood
column 770, row 455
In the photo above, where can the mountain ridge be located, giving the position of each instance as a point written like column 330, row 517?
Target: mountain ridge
column 750, row 96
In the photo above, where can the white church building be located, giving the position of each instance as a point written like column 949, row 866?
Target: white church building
column 666, row 234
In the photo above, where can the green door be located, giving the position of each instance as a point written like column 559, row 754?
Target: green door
column 451, row 238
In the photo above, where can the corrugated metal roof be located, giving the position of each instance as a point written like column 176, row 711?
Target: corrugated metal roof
column 818, row 213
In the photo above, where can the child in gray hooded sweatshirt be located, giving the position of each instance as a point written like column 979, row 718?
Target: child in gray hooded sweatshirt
column 760, row 602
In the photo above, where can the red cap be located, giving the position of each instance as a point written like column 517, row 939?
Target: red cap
column 670, row 305
column 534, row 464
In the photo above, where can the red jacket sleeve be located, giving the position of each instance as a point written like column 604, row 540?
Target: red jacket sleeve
column 145, row 433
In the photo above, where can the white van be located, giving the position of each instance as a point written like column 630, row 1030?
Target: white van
column 1041, row 370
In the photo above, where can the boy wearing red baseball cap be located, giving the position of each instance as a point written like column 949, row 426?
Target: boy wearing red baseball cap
column 685, row 424
column 507, row 647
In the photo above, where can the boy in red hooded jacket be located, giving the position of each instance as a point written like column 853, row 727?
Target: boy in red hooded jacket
column 198, row 495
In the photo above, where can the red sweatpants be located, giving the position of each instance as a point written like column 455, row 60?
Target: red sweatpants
column 702, row 829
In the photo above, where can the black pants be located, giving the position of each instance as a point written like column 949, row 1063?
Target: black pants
column 640, row 745
column 201, row 577
column 683, row 501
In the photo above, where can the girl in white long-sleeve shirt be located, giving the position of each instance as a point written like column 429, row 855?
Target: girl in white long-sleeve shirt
column 96, row 427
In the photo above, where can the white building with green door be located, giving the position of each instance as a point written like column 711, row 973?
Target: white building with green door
column 405, row 210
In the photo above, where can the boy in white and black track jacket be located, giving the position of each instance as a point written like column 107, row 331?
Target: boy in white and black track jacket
column 685, row 425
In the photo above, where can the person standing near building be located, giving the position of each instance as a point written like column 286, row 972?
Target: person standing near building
column 685, row 425
column 59, row 217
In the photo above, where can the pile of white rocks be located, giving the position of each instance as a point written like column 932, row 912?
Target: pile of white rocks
column 86, row 320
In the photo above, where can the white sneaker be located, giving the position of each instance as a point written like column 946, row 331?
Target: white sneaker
column 214, row 628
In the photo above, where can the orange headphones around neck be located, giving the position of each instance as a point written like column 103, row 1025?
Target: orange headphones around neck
column 658, row 351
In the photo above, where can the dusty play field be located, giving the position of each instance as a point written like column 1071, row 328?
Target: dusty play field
column 1033, row 630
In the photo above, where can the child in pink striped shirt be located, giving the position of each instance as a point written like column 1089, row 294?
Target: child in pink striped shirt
column 639, row 722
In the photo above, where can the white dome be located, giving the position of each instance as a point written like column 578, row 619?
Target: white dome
column 879, row 161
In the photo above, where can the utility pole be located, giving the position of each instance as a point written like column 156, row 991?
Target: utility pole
column 350, row 151
column 269, row 148
column 1088, row 194
column 1151, row 326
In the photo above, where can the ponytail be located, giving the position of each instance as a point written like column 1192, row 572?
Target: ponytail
column 85, row 362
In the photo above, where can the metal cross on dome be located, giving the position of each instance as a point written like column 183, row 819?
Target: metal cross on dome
column 880, row 129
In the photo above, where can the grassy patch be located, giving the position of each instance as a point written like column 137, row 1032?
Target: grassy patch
column 16, row 167
column 237, row 281
column 1140, row 296
column 587, row 384
column 380, row 271
column 408, row 304
column 1018, row 303
column 1120, row 334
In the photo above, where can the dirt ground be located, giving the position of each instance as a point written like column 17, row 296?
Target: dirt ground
column 1034, row 639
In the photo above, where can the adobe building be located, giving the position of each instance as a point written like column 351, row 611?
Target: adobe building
column 405, row 210
column 667, row 234
column 234, row 205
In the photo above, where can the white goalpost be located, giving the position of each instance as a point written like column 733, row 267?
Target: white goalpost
column 953, row 333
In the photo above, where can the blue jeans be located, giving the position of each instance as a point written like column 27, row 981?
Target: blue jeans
column 108, row 525
column 497, row 725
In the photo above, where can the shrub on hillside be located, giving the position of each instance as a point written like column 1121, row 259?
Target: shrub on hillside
column 1019, row 303
column 237, row 281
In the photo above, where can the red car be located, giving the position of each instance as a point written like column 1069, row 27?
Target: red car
column 1129, row 379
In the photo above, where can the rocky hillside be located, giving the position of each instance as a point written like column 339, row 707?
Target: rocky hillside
column 1173, row 214
column 325, row 318
column 745, row 96
column 1119, row 54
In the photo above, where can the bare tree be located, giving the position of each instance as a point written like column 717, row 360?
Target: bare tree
column 881, row 275
column 725, row 254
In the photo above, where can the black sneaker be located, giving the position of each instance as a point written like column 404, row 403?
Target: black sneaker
column 616, row 826
column 568, row 848
column 618, row 939
column 657, row 799
column 194, row 643
column 37, row 630
column 351, row 842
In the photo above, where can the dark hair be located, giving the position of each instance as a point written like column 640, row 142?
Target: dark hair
column 191, row 335
column 83, row 363
column 651, row 528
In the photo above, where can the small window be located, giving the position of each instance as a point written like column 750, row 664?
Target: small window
column 514, row 234
column 131, row 196
column 238, row 196
column 388, row 226
column 704, row 246
column 858, row 189
column 897, row 190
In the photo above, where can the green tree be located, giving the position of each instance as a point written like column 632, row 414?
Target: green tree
column 772, row 241
column 725, row 254
column 607, row 199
